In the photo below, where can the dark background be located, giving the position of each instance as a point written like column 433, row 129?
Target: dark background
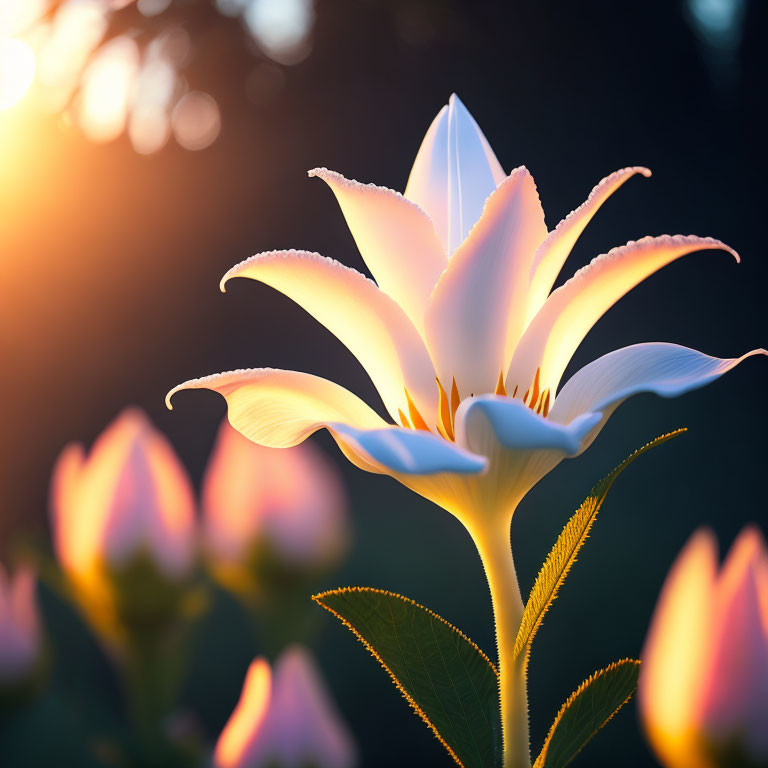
column 110, row 262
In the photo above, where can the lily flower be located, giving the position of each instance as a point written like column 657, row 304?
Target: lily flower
column 703, row 689
column 121, row 514
column 20, row 636
column 285, row 720
column 266, row 506
column 466, row 344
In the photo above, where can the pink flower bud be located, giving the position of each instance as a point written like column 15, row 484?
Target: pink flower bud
column 129, row 497
column 288, row 500
column 286, row 720
column 20, row 641
column 704, row 681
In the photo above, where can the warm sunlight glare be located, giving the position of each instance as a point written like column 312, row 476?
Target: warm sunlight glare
column 17, row 70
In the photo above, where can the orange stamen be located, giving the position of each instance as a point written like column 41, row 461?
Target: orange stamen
column 403, row 419
column 455, row 400
column 545, row 405
column 535, row 392
column 514, row 394
column 446, row 417
column 500, row 388
column 416, row 418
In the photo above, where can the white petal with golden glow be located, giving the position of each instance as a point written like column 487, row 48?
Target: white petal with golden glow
column 477, row 309
column 454, row 173
column 571, row 311
column 280, row 408
column 553, row 252
column 371, row 324
column 665, row 369
column 396, row 239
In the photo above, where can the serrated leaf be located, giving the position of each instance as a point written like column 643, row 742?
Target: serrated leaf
column 446, row 678
column 563, row 554
column 586, row 711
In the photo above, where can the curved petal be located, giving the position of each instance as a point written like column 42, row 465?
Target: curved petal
column 454, row 173
column 521, row 447
column 371, row 325
column 517, row 427
column 396, row 239
column 553, row 252
column 668, row 370
column 410, row 452
column 477, row 309
column 570, row 312
column 280, row 409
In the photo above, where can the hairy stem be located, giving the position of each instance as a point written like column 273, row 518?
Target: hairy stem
column 492, row 540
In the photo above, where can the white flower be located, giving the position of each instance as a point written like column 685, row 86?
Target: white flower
column 466, row 347
column 460, row 333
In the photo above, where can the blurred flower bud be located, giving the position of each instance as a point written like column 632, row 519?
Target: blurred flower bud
column 124, row 521
column 704, row 681
column 20, row 638
column 270, row 512
column 285, row 720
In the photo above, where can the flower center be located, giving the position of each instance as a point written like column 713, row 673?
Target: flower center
column 536, row 399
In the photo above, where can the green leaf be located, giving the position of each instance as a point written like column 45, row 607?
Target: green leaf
column 563, row 554
column 445, row 677
column 586, row 711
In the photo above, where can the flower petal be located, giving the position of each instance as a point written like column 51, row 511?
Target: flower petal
column 571, row 311
column 664, row 369
column 676, row 651
column 371, row 325
column 477, row 309
column 410, row 452
column 553, row 252
column 396, row 239
column 279, row 408
column 454, row 173
column 518, row 428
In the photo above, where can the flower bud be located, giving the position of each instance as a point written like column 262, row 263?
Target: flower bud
column 703, row 689
column 267, row 509
column 20, row 637
column 285, row 720
column 124, row 518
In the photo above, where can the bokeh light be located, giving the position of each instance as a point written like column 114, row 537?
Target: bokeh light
column 196, row 120
column 281, row 27
column 107, row 87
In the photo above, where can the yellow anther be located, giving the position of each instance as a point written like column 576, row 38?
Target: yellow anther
column 403, row 419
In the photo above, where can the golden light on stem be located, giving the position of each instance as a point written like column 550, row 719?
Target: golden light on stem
column 491, row 537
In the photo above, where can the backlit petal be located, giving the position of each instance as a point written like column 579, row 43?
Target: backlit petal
column 396, row 239
column 371, row 324
column 571, row 311
column 668, row 370
column 454, row 173
column 553, row 252
column 477, row 309
column 734, row 700
column 676, row 650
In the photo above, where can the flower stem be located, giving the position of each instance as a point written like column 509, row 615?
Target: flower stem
column 492, row 541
